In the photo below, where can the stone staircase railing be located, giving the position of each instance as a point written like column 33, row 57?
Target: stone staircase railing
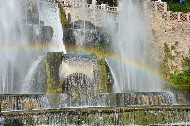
column 99, row 7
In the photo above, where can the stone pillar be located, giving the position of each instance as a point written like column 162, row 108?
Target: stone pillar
column 179, row 16
column 165, row 7
column 155, row 6
column 145, row 5
column 188, row 14
column 168, row 15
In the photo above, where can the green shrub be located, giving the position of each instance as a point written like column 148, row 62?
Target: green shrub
column 182, row 79
column 179, row 7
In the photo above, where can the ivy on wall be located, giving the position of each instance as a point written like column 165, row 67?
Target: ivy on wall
column 180, row 79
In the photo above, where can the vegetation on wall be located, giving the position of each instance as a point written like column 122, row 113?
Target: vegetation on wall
column 180, row 79
column 62, row 15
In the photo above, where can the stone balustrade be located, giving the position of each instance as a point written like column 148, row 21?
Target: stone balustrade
column 170, row 16
column 156, row 6
column 178, row 16
column 148, row 4
column 54, row 1
column 99, row 7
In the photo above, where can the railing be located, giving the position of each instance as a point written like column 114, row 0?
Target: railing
column 170, row 16
column 150, row 5
column 98, row 7
column 178, row 16
column 156, row 6
column 53, row 1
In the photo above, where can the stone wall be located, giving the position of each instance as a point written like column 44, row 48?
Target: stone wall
column 95, row 16
column 38, row 33
column 175, row 34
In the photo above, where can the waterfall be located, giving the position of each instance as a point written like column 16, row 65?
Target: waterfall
column 49, row 14
column 30, row 77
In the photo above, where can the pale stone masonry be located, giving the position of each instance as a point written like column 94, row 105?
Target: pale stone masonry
column 172, row 28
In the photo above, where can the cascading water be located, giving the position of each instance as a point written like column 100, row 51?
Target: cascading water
column 30, row 77
column 49, row 14
column 11, row 40
column 134, row 70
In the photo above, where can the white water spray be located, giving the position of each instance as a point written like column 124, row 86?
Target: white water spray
column 30, row 77
column 49, row 14
column 11, row 38
column 131, row 46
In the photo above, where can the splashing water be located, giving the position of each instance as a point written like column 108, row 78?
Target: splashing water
column 131, row 45
column 11, row 35
column 49, row 13
column 30, row 77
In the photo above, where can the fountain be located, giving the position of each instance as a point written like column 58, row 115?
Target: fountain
column 82, row 88
column 136, row 69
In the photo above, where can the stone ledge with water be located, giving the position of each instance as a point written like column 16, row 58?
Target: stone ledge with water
column 75, row 106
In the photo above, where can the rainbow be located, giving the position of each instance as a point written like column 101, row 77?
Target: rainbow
column 31, row 47
column 134, row 64
column 100, row 54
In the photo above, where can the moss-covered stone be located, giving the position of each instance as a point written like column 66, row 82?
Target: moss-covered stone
column 103, row 76
column 62, row 15
column 53, row 61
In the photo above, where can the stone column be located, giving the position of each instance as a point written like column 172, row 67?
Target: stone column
column 165, row 7
column 188, row 14
column 145, row 5
column 168, row 15
column 179, row 16
column 155, row 6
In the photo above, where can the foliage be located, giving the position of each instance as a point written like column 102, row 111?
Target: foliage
column 52, row 57
column 62, row 14
column 164, row 65
column 186, row 63
column 179, row 79
column 179, row 7
column 182, row 79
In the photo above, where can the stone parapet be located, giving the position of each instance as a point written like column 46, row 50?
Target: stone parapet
column 150, row 115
